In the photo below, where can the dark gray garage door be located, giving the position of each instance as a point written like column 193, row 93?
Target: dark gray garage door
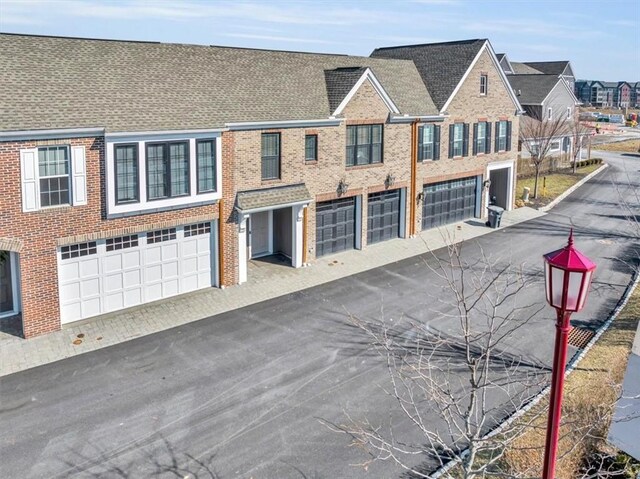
column 335, row 226
column 383, row 217
column 449, row 201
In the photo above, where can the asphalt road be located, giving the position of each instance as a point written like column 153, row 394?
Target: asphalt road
column 242, row 394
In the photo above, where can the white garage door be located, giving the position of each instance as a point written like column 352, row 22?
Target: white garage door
column 101, row 276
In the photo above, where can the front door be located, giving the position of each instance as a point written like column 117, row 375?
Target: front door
column 6, row 286
column 260, row 234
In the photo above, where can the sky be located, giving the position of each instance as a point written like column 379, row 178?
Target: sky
column 601, row 38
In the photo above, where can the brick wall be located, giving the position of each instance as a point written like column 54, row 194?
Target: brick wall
column 468, row 106
column 40, row 232
column 322, row 176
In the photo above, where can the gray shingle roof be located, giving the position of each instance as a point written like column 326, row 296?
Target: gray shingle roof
column 533, row 89
column 141, row 86
column 266, row 198
column 550, row 68
column 524, row 69
column 340, row 81
column 441, row 65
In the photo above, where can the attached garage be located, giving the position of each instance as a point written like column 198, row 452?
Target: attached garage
column 384, row 216
column 450, row 201
column 336, row 228
column 101, row 276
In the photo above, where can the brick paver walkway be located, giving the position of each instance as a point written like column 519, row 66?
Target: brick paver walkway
column 265, row 282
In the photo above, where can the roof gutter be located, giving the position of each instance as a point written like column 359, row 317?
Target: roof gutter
column 258, row 125
column 53, row 133
column 412, row 118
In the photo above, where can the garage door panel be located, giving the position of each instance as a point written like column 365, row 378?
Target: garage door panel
column 89, row 267
column 449, row 202
column 335, row 226
column 113, row 282
column 110, row 279
column 383, row 216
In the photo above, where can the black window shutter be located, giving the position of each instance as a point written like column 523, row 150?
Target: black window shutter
column 436, row 142
column 508, row 136
column 475, row 139
column 420, row 148
column 451, row 127
column 497, row 145
column 487, row 147
column 465, row 140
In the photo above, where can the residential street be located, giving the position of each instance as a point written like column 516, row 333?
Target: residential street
column 242, row 394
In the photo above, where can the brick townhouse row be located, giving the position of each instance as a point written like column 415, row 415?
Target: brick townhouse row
column 136, row 171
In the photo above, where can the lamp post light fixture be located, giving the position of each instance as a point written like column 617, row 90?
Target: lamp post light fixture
column 567, row 275
column 343, row 187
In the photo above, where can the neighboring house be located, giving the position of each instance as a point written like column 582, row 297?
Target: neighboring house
column 634, row 100
column 474, row 143
column 561, row 69
column 547, row 98
column 592, row 93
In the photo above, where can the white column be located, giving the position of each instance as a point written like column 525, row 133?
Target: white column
column 297, row 231
column 242, row 248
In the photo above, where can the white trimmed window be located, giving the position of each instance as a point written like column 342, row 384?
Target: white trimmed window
column 484, row 84
column 549, row 113
column 53, row 176
column 158, row 172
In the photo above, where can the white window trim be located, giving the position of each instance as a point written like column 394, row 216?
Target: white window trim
column 461, row 140
column 497, row 166
column 549, row 113
column 143, row 204
column 486, row 84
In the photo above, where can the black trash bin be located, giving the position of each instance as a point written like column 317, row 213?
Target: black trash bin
column 495, row 215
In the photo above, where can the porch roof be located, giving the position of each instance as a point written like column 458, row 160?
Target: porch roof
column 270, row 198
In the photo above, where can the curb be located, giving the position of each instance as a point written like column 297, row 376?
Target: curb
column 572, row 189
column 571, row 366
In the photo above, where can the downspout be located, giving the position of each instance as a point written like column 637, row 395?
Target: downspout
column 221, row 277
column 412, row 186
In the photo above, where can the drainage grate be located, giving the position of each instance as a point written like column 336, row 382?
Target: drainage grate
column 580, row 337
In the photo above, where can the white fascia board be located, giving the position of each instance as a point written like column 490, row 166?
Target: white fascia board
column 50, row 134
column 367, row 75
column 259, row 125
column 273, row 207
column 411, row 118
column 487, row 46
column 122, row 136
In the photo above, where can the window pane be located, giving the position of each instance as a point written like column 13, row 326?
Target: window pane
column 270, row 144
column 156, row 172
column 482, row 130
column 376, row 153
column 427, row 134
column 127, row 173
column 179, row 161
column 351, row 135
column 376, row 133
column 362, row 154
column 364, row 135
column 53, row 161
column 270, row 156
column 351, row 155
column 206, row 166
column 310, row 147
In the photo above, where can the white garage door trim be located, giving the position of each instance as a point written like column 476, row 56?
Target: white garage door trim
column 160, row 264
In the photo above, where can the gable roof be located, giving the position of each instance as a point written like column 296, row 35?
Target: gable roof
column 533, row 89
column 340, row 81
column 520, row 68
column 441, row 65
column 128, row 86
column 550, row 68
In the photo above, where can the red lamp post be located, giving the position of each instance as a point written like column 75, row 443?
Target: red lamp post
column 567, row 274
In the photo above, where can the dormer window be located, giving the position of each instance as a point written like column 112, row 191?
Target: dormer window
column 484, row 83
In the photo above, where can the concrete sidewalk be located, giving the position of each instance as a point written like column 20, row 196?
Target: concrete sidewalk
column 17, row 354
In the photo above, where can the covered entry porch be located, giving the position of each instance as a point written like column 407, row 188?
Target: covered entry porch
column 271, row 222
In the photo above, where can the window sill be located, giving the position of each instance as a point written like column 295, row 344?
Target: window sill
column 364, row 167
column 271, row 181
column 315, row 162
column 46, row 209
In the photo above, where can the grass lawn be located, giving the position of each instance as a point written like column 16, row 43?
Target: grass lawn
column 556, row 184
column 628, row 146
column 590, row 392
